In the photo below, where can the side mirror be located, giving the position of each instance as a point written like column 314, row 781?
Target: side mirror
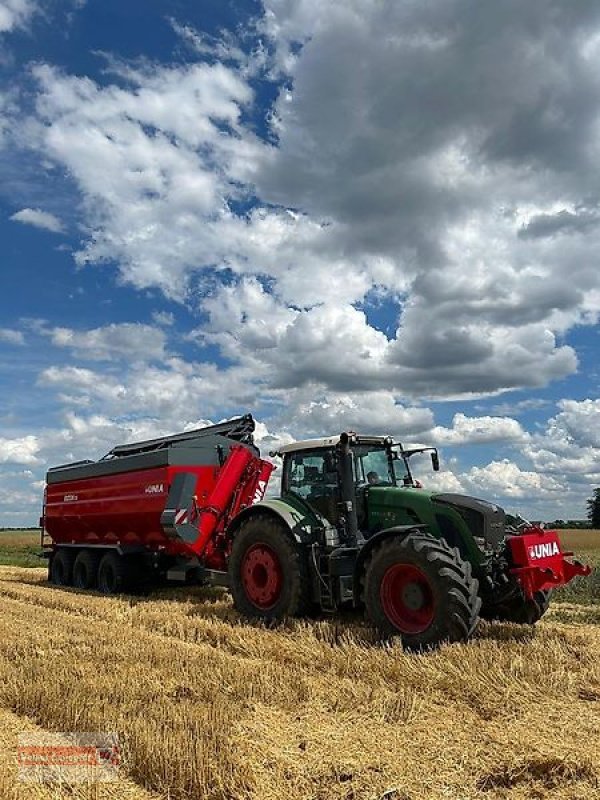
column 435, row 461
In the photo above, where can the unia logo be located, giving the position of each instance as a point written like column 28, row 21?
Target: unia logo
column 260, row 490
column 546, row 550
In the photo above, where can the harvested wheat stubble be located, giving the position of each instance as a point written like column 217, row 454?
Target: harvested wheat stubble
column 11, row 725
column 211, row 707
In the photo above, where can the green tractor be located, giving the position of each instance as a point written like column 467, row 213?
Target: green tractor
column 352, row 529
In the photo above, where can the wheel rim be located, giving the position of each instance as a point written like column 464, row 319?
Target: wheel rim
column 262, row 578
column 407, row 598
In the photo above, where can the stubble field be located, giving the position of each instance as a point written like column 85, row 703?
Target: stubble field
column 208, row 706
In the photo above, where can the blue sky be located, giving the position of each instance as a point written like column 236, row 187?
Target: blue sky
column 372, row 215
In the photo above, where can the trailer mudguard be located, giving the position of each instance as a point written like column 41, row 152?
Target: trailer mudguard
column 301, row 523
column 372, row 542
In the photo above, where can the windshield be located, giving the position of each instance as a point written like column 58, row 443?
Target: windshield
column 373, row 466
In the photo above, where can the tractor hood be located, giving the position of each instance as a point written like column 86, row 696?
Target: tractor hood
column 456, row 517
column 485, row 520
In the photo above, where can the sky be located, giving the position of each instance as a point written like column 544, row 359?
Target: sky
column 376, row 215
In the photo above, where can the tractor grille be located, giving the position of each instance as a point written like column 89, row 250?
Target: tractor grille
column 484, row 520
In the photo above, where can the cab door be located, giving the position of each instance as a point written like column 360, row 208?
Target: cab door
column 312, row 475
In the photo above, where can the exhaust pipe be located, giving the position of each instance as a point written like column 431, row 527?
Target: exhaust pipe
column 348, row 494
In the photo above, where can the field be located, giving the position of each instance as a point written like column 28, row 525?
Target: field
column 208, row 706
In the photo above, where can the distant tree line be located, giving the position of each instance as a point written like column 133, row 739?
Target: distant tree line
column 593, row 505
column 18, row 528
column 568, row 524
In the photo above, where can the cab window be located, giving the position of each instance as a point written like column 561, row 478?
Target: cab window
column 373, row 466
column 306, row 473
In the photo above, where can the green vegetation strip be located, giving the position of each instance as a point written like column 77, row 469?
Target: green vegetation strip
column 20, row 549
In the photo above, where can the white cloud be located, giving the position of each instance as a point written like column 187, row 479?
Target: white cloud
column 462, row 198
column 367, row 182
column 505, row 479
column 370, row 412
column 39, row 219
column 132, row 341
column 164, row 318
column 479, row 430
column 21, row 450
column 570, row 444
column 16, row 13
column 11, row 336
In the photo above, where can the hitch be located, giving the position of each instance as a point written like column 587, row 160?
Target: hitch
column 539, row 562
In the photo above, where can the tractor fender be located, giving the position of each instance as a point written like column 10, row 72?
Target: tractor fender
column 300, row 525
column 368, row 547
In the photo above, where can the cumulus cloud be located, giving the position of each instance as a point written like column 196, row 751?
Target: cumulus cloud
column 570, row 444
column 132, row 341
column 21, row 450
column 164, row 318
column 479, row 430
column 449, row 171
column 368, row 180
column 11, row 336
column 506, row 479
column 16, row 13
column 39, row 219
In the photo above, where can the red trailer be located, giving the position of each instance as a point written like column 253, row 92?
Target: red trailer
column 156, row 508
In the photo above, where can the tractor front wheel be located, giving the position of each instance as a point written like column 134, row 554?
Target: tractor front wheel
column 420, row 588
column 268, row 572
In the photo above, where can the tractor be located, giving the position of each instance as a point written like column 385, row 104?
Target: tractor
column 352, row 528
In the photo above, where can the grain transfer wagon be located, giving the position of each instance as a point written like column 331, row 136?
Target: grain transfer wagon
column 350, row 529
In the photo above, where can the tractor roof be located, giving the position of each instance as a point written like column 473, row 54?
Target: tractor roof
column 330, row 441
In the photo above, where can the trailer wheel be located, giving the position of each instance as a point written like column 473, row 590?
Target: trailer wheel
column 85, row 569
column 61, row 567
column 112, row 574
column 519, row 609
column 269, row 576
column 419, row 587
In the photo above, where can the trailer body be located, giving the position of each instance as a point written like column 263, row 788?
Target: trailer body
column 172, row 496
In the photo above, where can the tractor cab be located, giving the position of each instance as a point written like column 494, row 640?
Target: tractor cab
column 335, row 479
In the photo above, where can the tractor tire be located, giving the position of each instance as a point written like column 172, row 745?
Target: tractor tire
column 113, row 574
column 85, row 570
column 60, row 568
column 420, row 588
column 268, row 572
column 519, row 609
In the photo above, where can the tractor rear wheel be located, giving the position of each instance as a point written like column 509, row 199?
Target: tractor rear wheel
column 421, row 588
column 268, row 573
column 519, row 609
column 85, row 570
column 60, row 569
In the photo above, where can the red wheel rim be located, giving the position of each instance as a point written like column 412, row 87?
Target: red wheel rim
column 407, row 598
column 261, row 576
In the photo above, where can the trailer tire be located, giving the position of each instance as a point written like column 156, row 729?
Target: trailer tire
column 420, row 588
column 85, row 569
column 60, row 569
column 268, row 571
column 519, row 609
column 112, row 574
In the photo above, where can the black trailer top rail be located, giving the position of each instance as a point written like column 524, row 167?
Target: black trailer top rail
column 207, row 446
column 240, row 429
